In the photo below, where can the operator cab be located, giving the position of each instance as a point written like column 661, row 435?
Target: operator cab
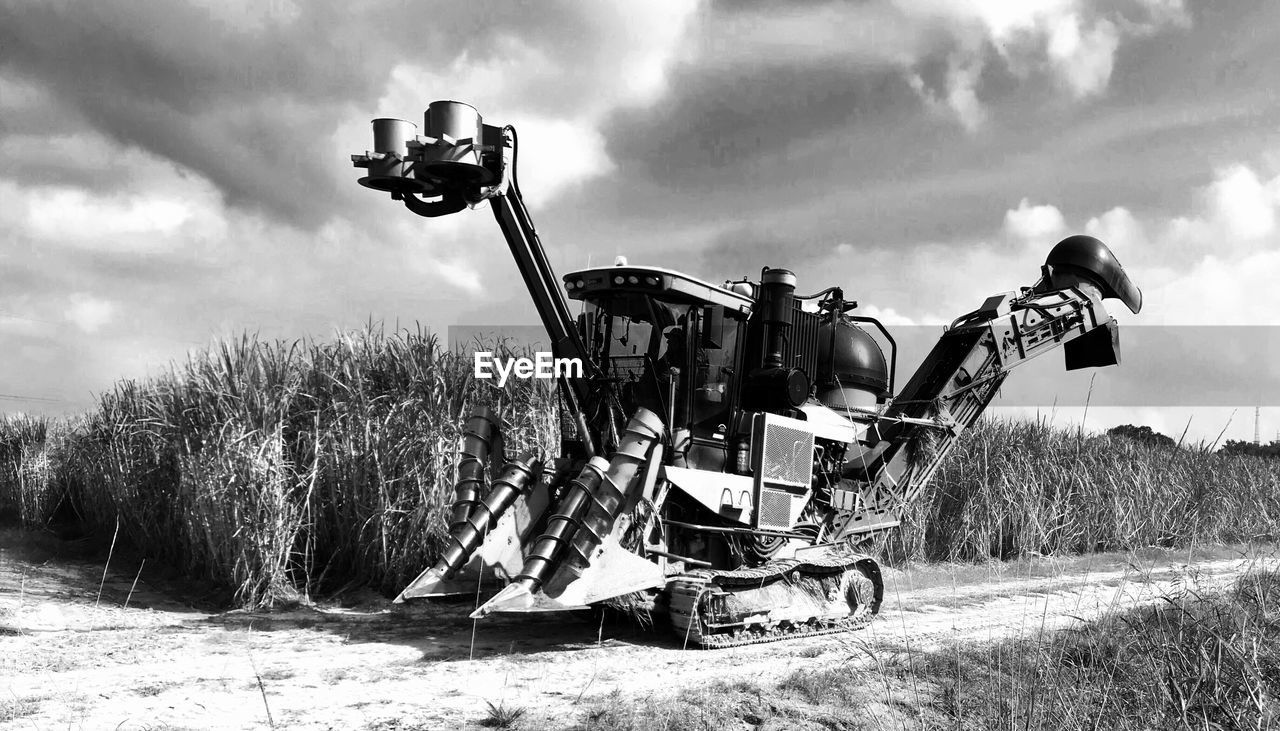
column 664, row 341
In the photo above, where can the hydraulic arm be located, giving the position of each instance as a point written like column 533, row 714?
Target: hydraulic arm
column 967, row 366
column 461, row 161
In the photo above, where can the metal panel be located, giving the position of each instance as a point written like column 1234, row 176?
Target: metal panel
column 775, row 509
column 729, row 496
column 782, row 468
column 784, row 454
column 844, row 499
column 828, row 424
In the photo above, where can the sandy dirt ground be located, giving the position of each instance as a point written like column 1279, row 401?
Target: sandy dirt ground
column 81, row 652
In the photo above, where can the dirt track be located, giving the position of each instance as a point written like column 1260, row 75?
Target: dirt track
column 68, row 664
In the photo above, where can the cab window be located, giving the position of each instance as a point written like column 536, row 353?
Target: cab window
column 714, row 372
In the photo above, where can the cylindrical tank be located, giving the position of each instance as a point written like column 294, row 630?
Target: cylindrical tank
column 851, row 367
column 777, row 299
column 391, row 135
column 450, row 163
column 777, row 294
column 389, row 173
column 458, row 120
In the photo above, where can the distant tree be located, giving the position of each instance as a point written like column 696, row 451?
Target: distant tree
column 1143, row 434
column 1234, row 447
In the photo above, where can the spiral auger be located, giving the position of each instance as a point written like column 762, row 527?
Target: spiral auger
column 478, row 513
column 580, row 532
column 478, row 437
column 466, row 535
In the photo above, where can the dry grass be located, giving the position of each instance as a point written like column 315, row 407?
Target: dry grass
column 1191, row 661
column 501, row 716
column 14, row 708
column 830, row 698
column 1013, row 488
column 285, row 470
column 30, row 453
column 277, row 469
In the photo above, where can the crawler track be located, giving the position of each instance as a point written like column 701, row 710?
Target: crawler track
column 820, row 594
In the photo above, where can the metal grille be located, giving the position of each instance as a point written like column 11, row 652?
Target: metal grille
column 787, row 455
column 801, row 348
column 775, row 509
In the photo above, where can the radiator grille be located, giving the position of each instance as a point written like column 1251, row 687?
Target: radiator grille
column 782, row 461
column 801, row 347
column 787, row 457
column 775, row 509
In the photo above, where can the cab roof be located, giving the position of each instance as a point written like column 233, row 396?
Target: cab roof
column 668, row 285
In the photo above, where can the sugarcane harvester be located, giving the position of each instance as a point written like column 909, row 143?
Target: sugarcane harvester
column 726, row 448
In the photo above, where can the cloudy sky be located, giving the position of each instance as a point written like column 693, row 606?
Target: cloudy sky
column 171, row 173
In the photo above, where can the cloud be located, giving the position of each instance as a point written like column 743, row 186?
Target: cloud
column 1241, row 205
column 1033, row 224
column 89, row 313
column 249, row 16
column 861, row 35
column 241, row 96
column 149, row 206
column 186, row 164
column 167, row 84
column 953, row 54
column 1210, row 266
column 942, row 281
column 557, row 94
column 1213, row 265
column 1120, row 231
column 1083, row 58
column 1070, row 40
column 19, row 325
column 1234, row 215
column 183, row 168
column 887, row 315
column 55, row 213
column 1217, row 291
column 556, row 152
column 959, row 96
column 161, row 263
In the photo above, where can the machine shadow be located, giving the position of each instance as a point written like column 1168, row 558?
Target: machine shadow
column 443, row 632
